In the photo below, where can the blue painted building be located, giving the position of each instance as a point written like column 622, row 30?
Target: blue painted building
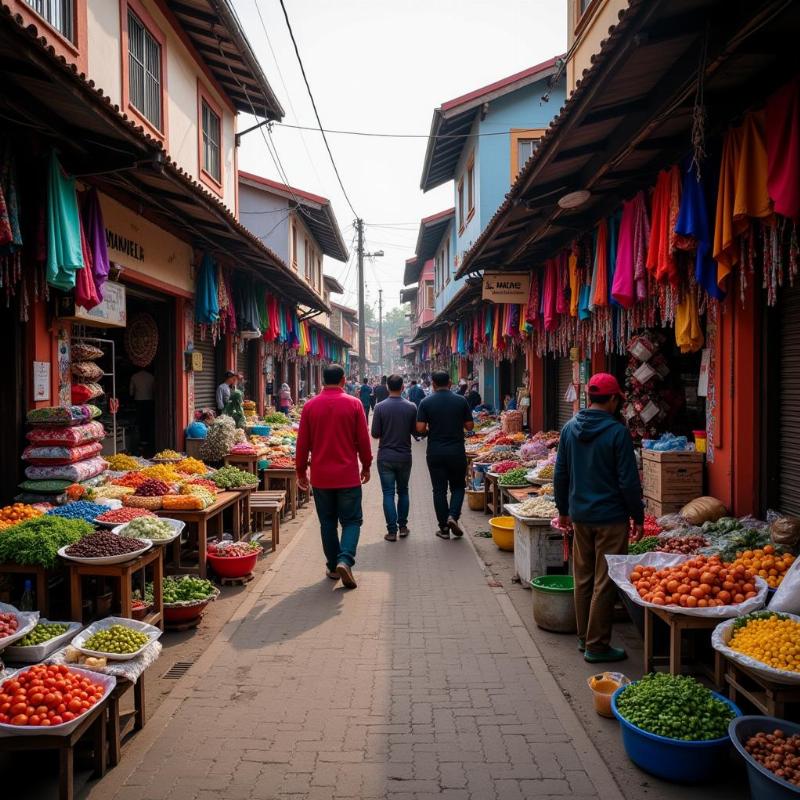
column 479, row 142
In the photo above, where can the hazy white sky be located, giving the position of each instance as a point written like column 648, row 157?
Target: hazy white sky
column 382, row 66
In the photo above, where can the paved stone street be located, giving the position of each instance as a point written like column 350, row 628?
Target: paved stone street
column 422, row 683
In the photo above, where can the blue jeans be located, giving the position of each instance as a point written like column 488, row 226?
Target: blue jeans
column 394, row 477
column 447, row 471
column 335, row 506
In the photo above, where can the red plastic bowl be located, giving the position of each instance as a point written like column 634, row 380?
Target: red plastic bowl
column 176, row 614
column 236, row 567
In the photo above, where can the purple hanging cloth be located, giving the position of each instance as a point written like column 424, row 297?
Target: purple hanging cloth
column 95, row 231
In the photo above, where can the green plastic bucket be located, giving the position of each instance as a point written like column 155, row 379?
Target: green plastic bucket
column 554, row 603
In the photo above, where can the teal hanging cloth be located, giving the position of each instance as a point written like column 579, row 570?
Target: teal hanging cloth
column 206, row 303
column 64, row 250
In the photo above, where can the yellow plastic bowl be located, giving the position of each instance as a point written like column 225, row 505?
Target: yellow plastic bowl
column 502, row 529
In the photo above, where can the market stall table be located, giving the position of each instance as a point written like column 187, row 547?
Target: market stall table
column 201, row 518
column 123, row 573
column 272, row 503
column 94, row 720
column 678, row 624
column 115, row 728
column 244, row 461
column 40, row 575
column 768, row 697
column 286, row 477
column 243, row 509
column 491, row 492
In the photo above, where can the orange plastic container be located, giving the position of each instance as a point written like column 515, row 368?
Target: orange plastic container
column 603, row 687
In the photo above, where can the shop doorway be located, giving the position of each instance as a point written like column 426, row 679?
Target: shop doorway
column 145, row 359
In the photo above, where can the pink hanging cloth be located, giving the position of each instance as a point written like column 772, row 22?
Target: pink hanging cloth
column 86, row 294
column 549, row 295
column 623, row 290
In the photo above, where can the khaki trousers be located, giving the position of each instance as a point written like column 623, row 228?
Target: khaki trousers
column 595, row 592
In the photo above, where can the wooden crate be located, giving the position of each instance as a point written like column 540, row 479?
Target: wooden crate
column 658, row 508
column 672, row 477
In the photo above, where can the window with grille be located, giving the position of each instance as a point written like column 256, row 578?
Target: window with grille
column 60, row 14
column 525, row 148
column 144, row 71
column 212, row 151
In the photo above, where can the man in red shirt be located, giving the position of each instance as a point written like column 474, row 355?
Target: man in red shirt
column 333, row 429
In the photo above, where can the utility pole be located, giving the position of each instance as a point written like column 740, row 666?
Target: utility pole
column 362, row 322
column 380, row 328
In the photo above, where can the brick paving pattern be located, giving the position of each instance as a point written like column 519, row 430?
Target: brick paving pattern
column 413, row 686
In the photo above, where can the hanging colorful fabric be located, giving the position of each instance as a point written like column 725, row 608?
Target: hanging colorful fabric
column 85, row 290
column 726, row 248
column 206, row 301
column 549, row 295
column 660, row 261
column 622, row 288
column 599, row 297
column 752, row 198
column 782, row 128
column 95, row 232
column 688, row 331
column 64, row 251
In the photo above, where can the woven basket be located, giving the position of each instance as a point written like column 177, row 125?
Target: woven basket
column 476, row 499
column 150, row 503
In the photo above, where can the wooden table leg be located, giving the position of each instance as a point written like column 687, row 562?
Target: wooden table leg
column 293, row 493
column 236, row 510
column 675, row 648
column 66, row 777
column 202, row 546
column 648, row 641
column 139, row 704
column 276, row 527
column 125, row 594
column 114, row 730
column 42, row 600
column 76, row 600
column 100, row 752
column 158, row 588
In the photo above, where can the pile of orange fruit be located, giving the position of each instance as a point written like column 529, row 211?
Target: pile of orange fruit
column 17, row 512
column 766, row 563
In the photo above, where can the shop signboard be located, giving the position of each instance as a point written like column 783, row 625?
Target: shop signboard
column 41, row 380
column 111, row 313
column 506, row 287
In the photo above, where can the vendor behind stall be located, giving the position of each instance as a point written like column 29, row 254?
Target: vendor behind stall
column 224, row 390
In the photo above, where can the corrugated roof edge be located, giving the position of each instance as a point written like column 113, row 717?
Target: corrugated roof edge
column 615, row 32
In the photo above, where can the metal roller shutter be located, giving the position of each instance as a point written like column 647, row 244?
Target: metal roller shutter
column 205, row 382
column 563, row 408
column 243, row 362
column 789, row 437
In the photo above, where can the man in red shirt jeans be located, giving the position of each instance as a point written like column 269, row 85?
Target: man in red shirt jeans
column 333, row 429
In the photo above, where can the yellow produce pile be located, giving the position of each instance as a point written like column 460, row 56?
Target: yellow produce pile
column 122, row 462
column 15, row 513
column 765, row 563
column 771, row 639
column 191, row 466
column 162, row 472
column 168, row 455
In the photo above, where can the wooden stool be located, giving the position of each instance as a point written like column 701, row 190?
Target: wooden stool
column 768, row 697
column 277, row 495
column 260, row 508
column 115, row 732
column 678, row 624
column 95, row 719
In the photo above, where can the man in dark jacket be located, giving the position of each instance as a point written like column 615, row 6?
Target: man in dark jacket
column 597, row 491
column 416, row 394
column 380, row 392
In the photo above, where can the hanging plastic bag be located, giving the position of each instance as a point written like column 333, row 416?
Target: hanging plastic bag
column 720, row 639
column 620, row 567
column 787, row 596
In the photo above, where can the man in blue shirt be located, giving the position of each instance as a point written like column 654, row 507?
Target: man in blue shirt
column 394, row 423
column 416, row 393
column 365, row 396
column 444, row 416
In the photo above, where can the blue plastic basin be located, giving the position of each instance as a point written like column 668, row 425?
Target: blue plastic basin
column 764, row 785
column 673, row 759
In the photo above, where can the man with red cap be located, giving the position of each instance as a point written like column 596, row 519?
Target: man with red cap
column 597, row 491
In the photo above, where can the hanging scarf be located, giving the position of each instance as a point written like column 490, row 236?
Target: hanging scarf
column 85, row 291
column 549, row 295
column 206, row 308
column 64, row 250
column 726, row 248
column 641, row 238
column 623, row 290
column 95, row 231
column 660, row 260
column 599, row 296
column 782, row 128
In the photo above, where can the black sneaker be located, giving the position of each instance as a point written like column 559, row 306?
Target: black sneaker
column 391, row 537
column 332, row 574
column 455, row 528
column 443, row 533
column 346, row 574
column 404, row 531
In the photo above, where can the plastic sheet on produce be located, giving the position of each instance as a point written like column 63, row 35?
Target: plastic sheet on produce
column 27, row 622
column 619, row 567
column 722, row 635
column 787, row 597
column 132, row 670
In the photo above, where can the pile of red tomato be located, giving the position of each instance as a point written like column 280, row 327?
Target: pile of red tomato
column 45, row 695
column 8, row 624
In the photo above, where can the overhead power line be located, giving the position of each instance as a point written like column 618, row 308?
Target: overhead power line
column 314, row 106
column 378, row 135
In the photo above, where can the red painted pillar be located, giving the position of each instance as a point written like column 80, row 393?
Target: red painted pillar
column 536, row 378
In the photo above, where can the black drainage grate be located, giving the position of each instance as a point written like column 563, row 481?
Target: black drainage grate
column 177, row 670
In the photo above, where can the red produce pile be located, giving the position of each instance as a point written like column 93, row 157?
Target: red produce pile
column 502, row 467
column 152, row 488
column 120, row 515
column 233, row 550
column 8, row 624
column 688, row 545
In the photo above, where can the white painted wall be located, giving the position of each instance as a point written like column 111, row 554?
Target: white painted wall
column 183, row 72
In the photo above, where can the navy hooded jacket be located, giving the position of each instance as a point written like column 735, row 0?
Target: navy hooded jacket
column 596, row 481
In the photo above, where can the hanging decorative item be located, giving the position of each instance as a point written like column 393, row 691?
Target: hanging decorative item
column 141, row 339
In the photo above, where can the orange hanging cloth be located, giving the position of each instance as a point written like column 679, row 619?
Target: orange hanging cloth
column 600, row 277
column 660, row 261
column 752, row 197
column 726, row 249
column 574, row 284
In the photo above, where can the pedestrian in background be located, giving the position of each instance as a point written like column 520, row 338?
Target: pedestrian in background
column 444, row 416
column 474, row 397
column 285, row 402
column 597, row 490
column 333, row 431
column 393, row 424
column 380, row 392
column 416, row 393
column 365, row 396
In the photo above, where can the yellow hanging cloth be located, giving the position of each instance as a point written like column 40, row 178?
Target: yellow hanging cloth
column 726, row 250
column 688, row 333
column 752, row 197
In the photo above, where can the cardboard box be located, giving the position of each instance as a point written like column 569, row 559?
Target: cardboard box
column 658, row 508
column 672, row 477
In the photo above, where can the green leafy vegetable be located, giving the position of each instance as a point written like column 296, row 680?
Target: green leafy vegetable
column 37, row 541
